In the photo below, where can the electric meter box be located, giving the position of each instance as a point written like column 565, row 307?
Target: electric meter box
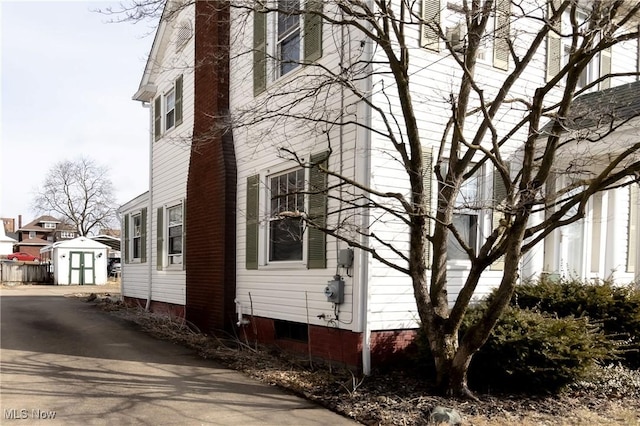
column 334, row 291
column 345, row 258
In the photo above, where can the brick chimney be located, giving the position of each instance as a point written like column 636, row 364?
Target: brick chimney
column 210, row 240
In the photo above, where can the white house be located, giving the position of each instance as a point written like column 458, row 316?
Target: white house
column 6, row 243
column 219, row 237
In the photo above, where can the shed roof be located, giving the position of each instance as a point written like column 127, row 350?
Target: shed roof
column 80, row 242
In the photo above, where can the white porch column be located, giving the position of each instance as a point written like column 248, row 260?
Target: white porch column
column 637, row 230
column 617, row 220
column 532, row 264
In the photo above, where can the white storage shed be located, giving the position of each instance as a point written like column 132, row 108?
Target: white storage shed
column 81, row 261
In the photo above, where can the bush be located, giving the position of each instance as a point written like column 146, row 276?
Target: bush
column 614, row 381
column 533, row 352
column 616, row 308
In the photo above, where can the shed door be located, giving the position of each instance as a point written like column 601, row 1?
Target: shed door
column 81, row 268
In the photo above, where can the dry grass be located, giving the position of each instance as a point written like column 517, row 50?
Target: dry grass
column 396, row 398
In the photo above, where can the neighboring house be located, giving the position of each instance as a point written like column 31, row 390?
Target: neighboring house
column 6, row 243
column 189, row 248
column 9, row 224
column 41, row 232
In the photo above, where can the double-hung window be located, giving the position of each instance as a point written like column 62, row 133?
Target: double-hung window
column 284, row 39
column 136, row 240
column 170, row 109
column 448, row 17
column 559, row 50
column 288, row 36
column 174, row 234
column 285, row 218
column 167, row 109
column 466, row 218
column 284, row 212
column 135, row 236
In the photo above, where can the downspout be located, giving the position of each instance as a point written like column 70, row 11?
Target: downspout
column 150, row 207
column 365, row 178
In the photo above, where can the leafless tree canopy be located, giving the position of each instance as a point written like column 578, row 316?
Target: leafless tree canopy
column 80, row 193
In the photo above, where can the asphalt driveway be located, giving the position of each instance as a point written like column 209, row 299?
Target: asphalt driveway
column 64, row 362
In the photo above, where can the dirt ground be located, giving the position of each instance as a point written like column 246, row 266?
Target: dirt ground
column 393, row 398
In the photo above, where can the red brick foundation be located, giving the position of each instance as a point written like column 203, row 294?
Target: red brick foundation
column 336, row 345
column 169, row 309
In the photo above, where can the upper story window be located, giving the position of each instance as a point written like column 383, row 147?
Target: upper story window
column 285, row 39
column 49, row 225
column 448, row 17
column 167, row 109
column 67, row 234
column 288, row 36
column 170, row 110
column 559, row 50
column 32, row 234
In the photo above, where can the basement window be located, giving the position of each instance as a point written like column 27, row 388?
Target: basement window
column 291, row 330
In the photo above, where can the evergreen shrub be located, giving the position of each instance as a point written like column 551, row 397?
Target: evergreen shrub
column 536, row 353
column 615, row 308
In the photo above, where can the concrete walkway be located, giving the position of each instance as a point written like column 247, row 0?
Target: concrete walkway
column 63, row 362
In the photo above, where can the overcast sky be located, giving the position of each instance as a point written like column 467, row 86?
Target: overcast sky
column 67, row 81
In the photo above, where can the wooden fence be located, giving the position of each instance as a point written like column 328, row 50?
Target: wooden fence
column 16, row 273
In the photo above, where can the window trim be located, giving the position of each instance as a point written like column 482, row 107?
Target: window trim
column 280, row 38
column 479, row 210
column 314, row 244
column 129, row 240
column 161, row 109
column 134, row 237
column 271, row 218
column 169, row 111
column 266, row 66
column 169, row 256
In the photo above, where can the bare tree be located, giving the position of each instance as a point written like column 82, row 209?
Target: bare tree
column 545, row 163
column 79, row 192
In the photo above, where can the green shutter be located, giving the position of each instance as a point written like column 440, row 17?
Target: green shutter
column 313, row 31
column 259, row 50
column 427, row 183
column 317, row 242
column 554, row 46
column 605, row 67
column 157, row 117
column 160, row 239
column 178, row 91
column 143, row 235
column 429, row 35
column 252, row 225
column 500, row 193
column 126, row 238
column 501, row 35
